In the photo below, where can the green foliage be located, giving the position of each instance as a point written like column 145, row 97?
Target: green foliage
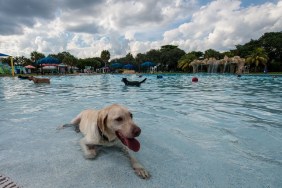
column 258, row 57
column 246, row 49
column 169, row 58
column 105, row 55
column 168, row 48
column 140, row 58
column 212, row 53
column 129, row 58
column 228, row 54
column 198, row 54
column 153, row 56
column 275, row 65
column 63, row 55
column 272, row 43
column 185, row 60
column 27, row 61
column 34, row 56
column 125, row 60
column 66, row 58
column 6, row 60
column 93, row 62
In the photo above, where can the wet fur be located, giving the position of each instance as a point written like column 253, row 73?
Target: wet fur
column 39, row 80
column 132, row 83
column 99, row 128
column 23, row 77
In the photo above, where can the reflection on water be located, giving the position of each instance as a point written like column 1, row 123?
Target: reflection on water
column 236, row 119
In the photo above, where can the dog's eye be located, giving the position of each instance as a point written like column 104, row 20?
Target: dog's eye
column 131, row 115
column 119, row 119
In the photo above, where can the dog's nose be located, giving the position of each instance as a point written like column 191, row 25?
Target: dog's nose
column 136, row 131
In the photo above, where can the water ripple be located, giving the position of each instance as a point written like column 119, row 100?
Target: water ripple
column 221, row 113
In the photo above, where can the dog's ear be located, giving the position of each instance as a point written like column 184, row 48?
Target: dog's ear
column 102, row 120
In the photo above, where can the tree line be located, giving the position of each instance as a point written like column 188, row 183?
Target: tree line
column 261, row 53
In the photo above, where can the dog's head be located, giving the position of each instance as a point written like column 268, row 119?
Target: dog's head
column 30, row 78
column 116, row 121
column 124, row 79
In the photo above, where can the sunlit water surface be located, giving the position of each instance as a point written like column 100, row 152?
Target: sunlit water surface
column 223, row 131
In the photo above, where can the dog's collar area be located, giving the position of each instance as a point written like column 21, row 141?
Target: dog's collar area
column 102, row 135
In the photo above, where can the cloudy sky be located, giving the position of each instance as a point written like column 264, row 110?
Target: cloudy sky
column 86, row 27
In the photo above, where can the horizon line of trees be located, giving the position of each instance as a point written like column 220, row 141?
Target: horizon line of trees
column 261, row 53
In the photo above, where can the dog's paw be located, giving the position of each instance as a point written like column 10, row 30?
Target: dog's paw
column 142, row 173
column 90, row 154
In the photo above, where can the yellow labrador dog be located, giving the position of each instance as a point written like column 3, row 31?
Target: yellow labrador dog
column 39, row 80
column 112, row 125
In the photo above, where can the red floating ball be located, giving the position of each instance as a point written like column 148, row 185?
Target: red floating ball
column 194, row 79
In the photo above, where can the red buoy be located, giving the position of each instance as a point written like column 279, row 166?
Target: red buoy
column 194, row 79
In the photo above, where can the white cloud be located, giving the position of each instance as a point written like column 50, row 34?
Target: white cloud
column 129, row 35
column 87, row 28
column 222, row 24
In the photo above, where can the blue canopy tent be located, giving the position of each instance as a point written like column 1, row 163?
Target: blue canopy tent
column 128, row 66
column 148, row 64
column 116, row 65
column 3, row 55
column 47, row 60
column 50, row 63
column 12, row 64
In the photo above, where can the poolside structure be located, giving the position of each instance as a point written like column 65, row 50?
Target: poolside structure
column 5, row 68
column 234, row 64
column 12, row 64
column 150, row 66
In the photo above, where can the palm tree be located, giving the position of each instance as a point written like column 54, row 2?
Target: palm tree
column 69, row 60
column 36, row 55
column 139, row 59
column 258, row 56
column 185, row 60
column 105, row 56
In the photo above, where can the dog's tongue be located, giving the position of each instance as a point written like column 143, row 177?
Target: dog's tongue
column 131, row 143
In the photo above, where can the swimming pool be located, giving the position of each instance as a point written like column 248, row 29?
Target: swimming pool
column 223, row 131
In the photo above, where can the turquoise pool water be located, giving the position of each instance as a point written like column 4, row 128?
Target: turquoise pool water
column 223, row 131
